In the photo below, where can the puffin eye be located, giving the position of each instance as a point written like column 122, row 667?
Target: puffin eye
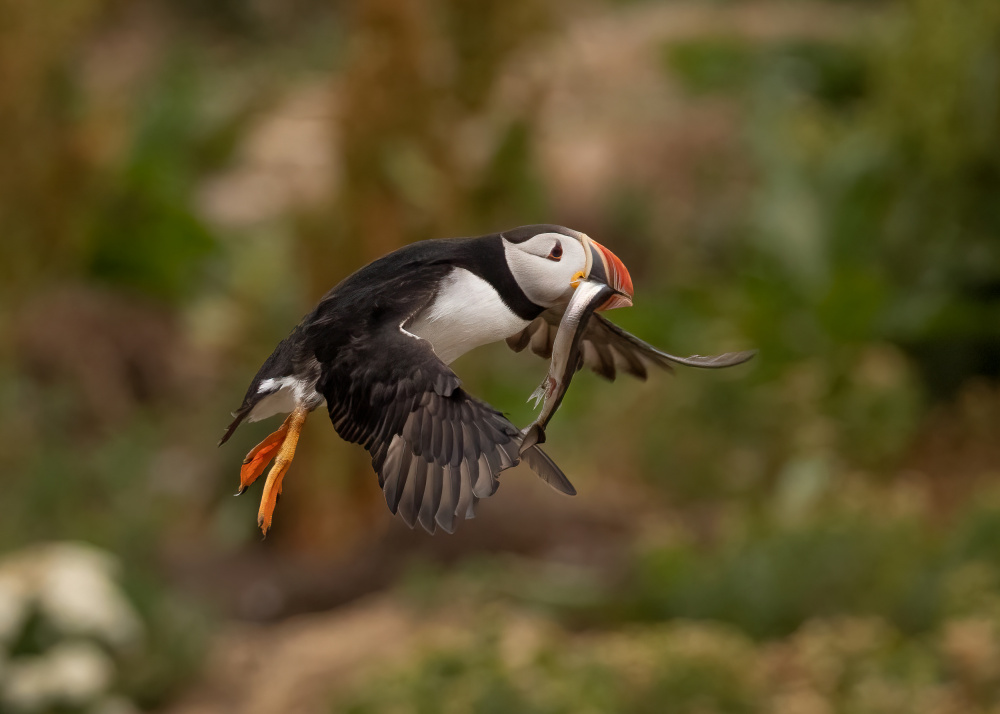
column 556, row 252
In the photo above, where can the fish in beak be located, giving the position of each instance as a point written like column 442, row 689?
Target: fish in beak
column 591, row 295
column 609, row 269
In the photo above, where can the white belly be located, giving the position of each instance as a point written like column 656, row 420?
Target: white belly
column 466, row 313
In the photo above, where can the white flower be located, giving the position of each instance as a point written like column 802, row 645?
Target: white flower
column 79, row 595
column 73, row 673
column 74, row 587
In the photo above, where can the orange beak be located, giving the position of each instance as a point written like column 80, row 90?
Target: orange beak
column 612, row 271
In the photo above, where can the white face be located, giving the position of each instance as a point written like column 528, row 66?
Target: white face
column 547, row 266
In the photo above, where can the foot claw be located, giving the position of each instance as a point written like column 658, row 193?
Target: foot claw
column 265, row 525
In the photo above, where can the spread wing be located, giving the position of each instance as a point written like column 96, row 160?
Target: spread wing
column 436, row 449
column 606, row 348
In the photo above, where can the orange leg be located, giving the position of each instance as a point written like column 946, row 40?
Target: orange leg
column 260, row 456
column 286, row 452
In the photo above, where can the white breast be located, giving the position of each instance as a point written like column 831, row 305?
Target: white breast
column 466, row 313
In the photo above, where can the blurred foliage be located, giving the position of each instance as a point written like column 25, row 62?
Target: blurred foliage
column 46, row 174
column 177, row 634
column 868, row 275
column 146, row 235
column 855, row 607
column 420, row 77
column 859, row 551
column 772, row 579
column 831, row 73
column 876, row 217
column 839, row 664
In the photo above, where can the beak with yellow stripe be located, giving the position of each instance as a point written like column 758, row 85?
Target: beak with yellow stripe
column 606, row 267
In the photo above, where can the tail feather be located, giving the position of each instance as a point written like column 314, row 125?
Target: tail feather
column 239, row 415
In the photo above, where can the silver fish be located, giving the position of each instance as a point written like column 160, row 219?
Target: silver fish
column 565, row 361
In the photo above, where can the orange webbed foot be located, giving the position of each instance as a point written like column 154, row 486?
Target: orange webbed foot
column 259, row 457
column 285, row 453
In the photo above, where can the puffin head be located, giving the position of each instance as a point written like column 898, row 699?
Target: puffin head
column 549, row 262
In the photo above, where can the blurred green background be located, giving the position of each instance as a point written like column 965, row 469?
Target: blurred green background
column 815, row 533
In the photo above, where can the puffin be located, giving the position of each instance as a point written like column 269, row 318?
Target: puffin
column 375, row 353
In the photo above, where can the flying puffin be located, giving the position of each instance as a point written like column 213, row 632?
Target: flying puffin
column 375, row 353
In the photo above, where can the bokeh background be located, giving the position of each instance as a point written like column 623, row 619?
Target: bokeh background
column 817, row 532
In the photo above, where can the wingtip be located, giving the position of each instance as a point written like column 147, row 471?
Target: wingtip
column 727, row 359
column 742, row 356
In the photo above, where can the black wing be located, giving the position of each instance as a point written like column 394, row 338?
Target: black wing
column 436, row 449
column 606, row 348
